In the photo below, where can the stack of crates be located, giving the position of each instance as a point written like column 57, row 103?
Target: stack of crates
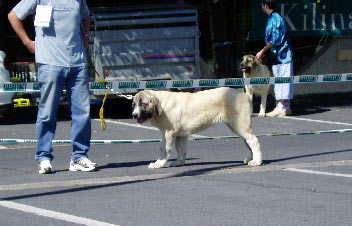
column 23, row 72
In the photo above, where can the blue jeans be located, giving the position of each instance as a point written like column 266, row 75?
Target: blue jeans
column 52, row 80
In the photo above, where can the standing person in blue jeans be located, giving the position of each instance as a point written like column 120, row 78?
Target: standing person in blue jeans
column 279, row 54
column 61, row 37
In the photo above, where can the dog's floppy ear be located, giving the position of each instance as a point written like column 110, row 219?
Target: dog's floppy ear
column 255, row 61
column 156, row 105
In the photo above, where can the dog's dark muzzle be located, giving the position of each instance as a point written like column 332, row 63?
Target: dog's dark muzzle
column 245, row 68
column 134, row 116
column 142, row 116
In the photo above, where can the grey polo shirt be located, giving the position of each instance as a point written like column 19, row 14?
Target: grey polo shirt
column 61, row 43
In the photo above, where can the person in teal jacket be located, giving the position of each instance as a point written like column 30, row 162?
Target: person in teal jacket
column 279, row 54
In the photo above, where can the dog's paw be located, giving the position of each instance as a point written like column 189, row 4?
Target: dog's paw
column 246, row 161
column 254, row 163
column 177, row 163
column 151, row 165
column 261, row 114
column 156, row 165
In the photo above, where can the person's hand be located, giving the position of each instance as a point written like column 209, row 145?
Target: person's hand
column 30, row 46
column 259, row 55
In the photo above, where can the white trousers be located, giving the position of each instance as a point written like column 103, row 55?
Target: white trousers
column 283, row 91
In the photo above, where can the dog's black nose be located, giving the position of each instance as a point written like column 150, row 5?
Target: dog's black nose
column 134, row 115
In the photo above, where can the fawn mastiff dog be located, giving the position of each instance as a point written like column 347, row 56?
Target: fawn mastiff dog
column 179, row 114
column 252, row 68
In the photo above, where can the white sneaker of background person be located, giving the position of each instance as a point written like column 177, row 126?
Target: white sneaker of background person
column 45, row 167
column 84, row 165
column 280, row 111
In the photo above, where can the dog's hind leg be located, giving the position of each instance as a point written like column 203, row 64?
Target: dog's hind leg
column 252, row 144
column 181, row 148
column 167, row 143
column 250, row 158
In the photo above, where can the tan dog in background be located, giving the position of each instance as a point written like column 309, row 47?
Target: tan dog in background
column 252, row 68
column 178, row 115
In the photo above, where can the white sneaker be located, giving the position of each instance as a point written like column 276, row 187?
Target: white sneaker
column 279, row 112
column 84, row 165
column 45, row 167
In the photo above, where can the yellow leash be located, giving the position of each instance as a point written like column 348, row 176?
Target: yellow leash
column 101, row 111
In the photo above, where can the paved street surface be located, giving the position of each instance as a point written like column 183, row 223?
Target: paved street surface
column 305, row 179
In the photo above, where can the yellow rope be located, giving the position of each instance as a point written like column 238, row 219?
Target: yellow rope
column 101, row 111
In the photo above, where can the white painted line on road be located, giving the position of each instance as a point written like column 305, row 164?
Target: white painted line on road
column 318, row 172
column 2, row 147
column 321, row 121
column 129, row 124
column 53, row 214
column 140, row 126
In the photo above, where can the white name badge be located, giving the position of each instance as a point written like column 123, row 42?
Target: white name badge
column 43, row 16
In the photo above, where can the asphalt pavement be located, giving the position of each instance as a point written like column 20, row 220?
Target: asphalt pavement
column 306, row 177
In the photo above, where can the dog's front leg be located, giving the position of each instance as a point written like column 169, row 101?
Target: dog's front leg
column 263, row 98
column 252, row 142
column 165, row 149
column 253, row 145
column 249, row 91
column 181, row 148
